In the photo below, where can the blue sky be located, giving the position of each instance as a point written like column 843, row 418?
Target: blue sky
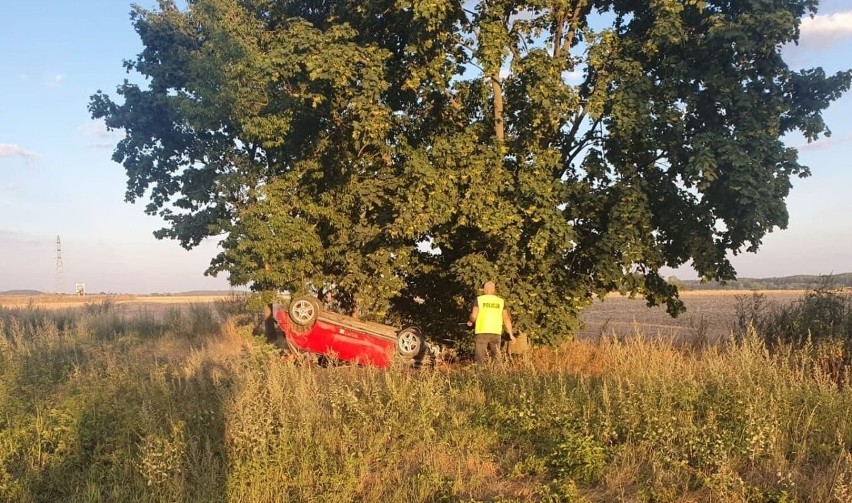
column 57, row 179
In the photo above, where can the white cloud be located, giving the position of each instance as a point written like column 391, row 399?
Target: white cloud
column 12, row 150
column 824, row 29
column 98, row 135
column 54, row 81
column 95, row 127
column 825, row 143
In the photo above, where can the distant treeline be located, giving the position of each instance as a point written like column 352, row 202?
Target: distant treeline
column 800, row 282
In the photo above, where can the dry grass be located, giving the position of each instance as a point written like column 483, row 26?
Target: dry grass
column 53, row 301
column 709, row 312
column 49, row 301
column 121, row 308
column 577, row 357
column 96, row 406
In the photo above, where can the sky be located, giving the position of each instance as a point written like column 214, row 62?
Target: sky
column 57, row 178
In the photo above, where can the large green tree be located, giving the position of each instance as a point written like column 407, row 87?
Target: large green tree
column 401, row 152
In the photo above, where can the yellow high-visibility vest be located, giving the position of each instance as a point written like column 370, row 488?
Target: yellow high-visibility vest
column 489, row 320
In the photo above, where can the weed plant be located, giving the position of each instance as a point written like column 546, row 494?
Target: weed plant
column 100, row 407
column 821, row 320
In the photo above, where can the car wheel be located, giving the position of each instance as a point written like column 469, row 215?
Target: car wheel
column 410, row 343
column 304, row 310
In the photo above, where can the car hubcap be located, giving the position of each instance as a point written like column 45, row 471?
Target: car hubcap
column 303, row 310
column 408, row 342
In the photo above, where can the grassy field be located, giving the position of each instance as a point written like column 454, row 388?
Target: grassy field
column 124, row 303
column 710, row 314
column 105, row 404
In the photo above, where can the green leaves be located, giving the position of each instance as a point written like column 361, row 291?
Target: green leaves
column 401, row 153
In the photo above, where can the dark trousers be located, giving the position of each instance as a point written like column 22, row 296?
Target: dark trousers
column 486, row 345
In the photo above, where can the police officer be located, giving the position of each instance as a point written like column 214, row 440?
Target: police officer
column 489, row 314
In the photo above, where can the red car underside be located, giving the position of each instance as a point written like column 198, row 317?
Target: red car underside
column 341, row 337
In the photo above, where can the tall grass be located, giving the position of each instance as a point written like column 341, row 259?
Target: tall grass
column 98, row 406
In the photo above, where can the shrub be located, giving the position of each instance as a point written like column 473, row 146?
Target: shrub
column 821, row 320
column 579, row 457
column 234, row 304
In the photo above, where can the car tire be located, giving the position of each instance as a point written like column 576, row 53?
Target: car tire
column 304, row 310
column 410, row 343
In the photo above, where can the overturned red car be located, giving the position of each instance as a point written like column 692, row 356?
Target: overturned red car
column 308, row 328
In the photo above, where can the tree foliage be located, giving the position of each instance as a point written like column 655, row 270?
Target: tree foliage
column 401, row 152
